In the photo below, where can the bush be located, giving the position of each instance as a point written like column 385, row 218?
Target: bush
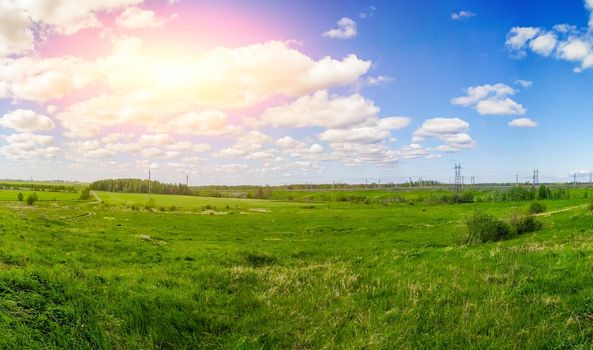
column 20, row 197
column 525, row 223
column 590, row 207
column 481, row 227
column 32, row 198
column 537, row 208
column 85, row 194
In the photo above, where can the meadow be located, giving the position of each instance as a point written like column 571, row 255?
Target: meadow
column 120, row 272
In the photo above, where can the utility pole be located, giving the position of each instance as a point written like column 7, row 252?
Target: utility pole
column 575, row 180
column 458, row 178
column 366, row 186
column 186, row 180
column 420, row 183
column 149, row 184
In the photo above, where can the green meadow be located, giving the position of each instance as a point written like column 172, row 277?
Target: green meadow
column 182, row 272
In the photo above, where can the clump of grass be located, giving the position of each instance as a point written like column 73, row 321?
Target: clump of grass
column 482, row 227
column 537, row 208
column 255, row 259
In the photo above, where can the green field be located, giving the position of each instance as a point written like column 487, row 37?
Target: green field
column 257, row 274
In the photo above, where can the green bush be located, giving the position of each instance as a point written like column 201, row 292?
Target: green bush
column 525, row 223
column 32, row 198
column 85, row 194
column 537, row 208
column 590, row 207
column 481, row 227
column 20, row 196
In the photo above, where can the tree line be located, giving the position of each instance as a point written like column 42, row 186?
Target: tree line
column 140, row 186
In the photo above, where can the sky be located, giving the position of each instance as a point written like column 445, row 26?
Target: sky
column 279, row 92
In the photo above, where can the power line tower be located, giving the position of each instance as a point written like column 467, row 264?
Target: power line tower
column 458, row 178
column 517, row 180
column 535, row 177
column 574, row 180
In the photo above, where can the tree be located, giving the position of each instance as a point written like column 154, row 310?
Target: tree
column 20, row 196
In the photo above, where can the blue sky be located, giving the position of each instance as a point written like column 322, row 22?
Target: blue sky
column 272, row 92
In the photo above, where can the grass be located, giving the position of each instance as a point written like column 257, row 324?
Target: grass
column 11, row 195
column 77, row 274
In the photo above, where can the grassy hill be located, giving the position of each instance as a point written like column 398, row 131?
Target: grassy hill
column 196, row 272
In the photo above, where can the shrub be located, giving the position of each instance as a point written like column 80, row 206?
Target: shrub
column 590, row 207
column 32, row 198
column 525, row 223
column 20, row 196
column 481, row 227
column 85, row 194
column 537, row 208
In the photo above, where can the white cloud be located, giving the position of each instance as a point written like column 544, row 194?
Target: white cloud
column 378, row 80
column 366, row 134
column 490, row 100
column 322, row 110
column 589, row 6
column 24, row 120
column 544, row 44
column 503, row 106
column 247, row 146
column 346, row 30
column 526, row 84
column 564, row 42
column 452, row 131
column 16, row 35
column 461, row 15
column 523, row 123
column 70, row 16
column 209, row 122
column 42, row 79
column 137, row 18
column 518, row 37
column 28, row 146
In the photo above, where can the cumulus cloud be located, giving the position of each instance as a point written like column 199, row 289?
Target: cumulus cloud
column 137, row 18
column 24, row 120
column 544, row 44
column 16, row 34
column 209, row 123
column 366, row 134
column 346, row 30
column 523, row 123
column 322, row 110
column 453, row 131
column 248, row 146
column 564, row 42
column 491, row 100
column 28, row 146
column 70, row 16
column 41, row 79
column 462, row 15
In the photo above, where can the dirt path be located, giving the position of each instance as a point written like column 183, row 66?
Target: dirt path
column 561, row 210
column 97, row 199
